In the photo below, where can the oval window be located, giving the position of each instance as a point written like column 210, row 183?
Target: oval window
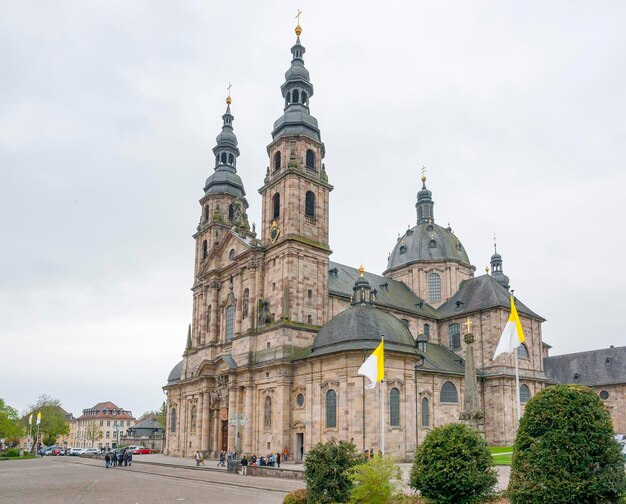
column 300, row 400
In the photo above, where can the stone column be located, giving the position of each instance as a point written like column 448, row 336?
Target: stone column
column 253, row 300
column 215, row 285
column 205, row 402
column 247, row 431
column 232, row 410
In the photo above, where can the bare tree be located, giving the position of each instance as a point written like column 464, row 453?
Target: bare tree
column 93, row 432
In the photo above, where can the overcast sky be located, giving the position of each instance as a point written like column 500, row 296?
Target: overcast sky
column 109, row 111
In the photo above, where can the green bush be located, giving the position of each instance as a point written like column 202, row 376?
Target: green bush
column 295, row 497
column 326, row 469
column 453, row 465
column 565, row 451
column 12, row 452
column 373, row 481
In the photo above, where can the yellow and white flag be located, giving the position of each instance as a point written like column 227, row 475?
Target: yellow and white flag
column 30, row 419
column 38, row 418
column 513, row 334
column 374, row 366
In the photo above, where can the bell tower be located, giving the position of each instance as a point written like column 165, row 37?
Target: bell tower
column 295, row 202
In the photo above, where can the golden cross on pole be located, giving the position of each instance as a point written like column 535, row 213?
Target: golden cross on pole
column 469, row 325
column 423, row 170
column 228, row 87
column 495, row 248
column 298, row 15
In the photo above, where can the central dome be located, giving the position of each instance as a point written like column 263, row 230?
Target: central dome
column 427, row 242
column 359, row 328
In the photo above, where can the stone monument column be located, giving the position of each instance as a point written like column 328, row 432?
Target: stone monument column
column 215, row 285
column 472, row 415
column 204, row 440
column 247, row 430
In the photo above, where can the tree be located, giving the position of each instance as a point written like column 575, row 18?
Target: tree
column 453, row 465
column 565, row 451
column 374, row 481
column 326, row 469
column 93, row 432
column 9, row 422
column 53, row 421
column 158, row 415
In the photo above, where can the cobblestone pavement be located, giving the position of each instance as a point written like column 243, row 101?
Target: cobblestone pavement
column 77, row 480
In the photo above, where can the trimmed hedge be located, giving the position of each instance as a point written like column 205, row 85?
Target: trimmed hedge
column 295, row 497
column 565, row 452
column 453, row 465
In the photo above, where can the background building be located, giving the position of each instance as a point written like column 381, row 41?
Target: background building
column 100, row 426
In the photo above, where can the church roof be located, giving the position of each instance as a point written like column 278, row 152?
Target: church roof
column 175, row 373
column 389, row 293
column 593, row 368
column 427, row 242
column 481, row 293
column 439, row 359
column 360, row 327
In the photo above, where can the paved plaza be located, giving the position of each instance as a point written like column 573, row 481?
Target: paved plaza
column 77, row 480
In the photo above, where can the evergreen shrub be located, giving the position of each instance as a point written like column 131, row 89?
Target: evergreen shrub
column 326, row 470
column 12, row 452
column 374, row 481
column 453, row 465
column 565, row 451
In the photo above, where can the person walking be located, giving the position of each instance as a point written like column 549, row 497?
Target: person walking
column 278, row 459
column 285, row 453
column 107, row 460
column 130, row 456
column 198, row 457
column 114, row 459
column 222, row 459
column 244, row 466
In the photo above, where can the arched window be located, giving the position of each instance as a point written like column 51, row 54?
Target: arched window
column 296, row 96
column 448, row 393
column 230, row 318
column 287, row 99
column 394, row 407
column 425, row 412
column 524, row 393
column 246, row 302
column 454, row 336
column 309, row 204
column 173, row 420
column 276, row 206
column 206, row 213
column 267, row 414
column 304, row 98
column 434, row 287
column 232, row 254
column 223, row 158
column 231, row 159
column 193, row 419
column 522, row 352
column 427, row 331
column 231, row 212
column 310, row 159
column 205, row 249
column 331, row 409
column 277, row 160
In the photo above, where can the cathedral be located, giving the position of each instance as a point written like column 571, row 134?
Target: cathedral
column 279, row 330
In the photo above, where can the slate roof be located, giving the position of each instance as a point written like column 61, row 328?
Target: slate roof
column 481, row 293
column 175, row 373
column 593, row 368
column 389, row 293
column 439, row 359
column 145, row 428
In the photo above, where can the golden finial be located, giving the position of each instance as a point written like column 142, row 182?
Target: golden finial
column 487, row 269
column 361, row 269
column 229, row 100
column 423, row 174
column 298, row 27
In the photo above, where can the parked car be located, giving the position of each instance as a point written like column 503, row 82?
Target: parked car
column 57, row 451
column 142, row 450
column 91, row 451
column 76, row 451
column 49, row 450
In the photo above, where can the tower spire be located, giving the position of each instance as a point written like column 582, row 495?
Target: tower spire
column 425, row 204
column 496, row 267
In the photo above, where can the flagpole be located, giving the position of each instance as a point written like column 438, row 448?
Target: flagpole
column 382, row 409
column 519, row 405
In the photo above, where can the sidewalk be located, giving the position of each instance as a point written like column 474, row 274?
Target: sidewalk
column 211, row 465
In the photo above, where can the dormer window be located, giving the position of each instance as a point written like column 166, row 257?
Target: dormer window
column 334, row 272
column 384, row 286
column 402, row 249
column 432, row 244
column 459, row 305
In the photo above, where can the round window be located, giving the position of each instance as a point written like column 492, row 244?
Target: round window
column 604, row 395
column 300, row 400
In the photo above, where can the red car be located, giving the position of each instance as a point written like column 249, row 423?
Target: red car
column 142, row 451
column 57, row 451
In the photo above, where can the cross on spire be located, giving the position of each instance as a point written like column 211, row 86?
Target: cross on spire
column 495, row 248
column 469, row 325
column 228, row 98
column 298, row 15
column 423, row 170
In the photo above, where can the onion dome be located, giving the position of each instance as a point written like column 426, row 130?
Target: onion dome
column 175, row 373
column 225, row 179
column 496, row 269
column 296, row 91
column 361, row 326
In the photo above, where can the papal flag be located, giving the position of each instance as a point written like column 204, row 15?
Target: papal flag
column 30, row 419
column 513, row 334
column 38, row 418
column 374, row 366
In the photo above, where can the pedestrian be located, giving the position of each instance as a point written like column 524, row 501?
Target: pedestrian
column 197, row 457
column 244, row 466
column 125, row 458
column 107, row 460
column 278, row 459
column 120, row 458
column 285, row 453
column 222, row 459
column 130, row 456
column 114, row 458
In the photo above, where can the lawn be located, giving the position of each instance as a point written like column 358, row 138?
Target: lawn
column 501, row 454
